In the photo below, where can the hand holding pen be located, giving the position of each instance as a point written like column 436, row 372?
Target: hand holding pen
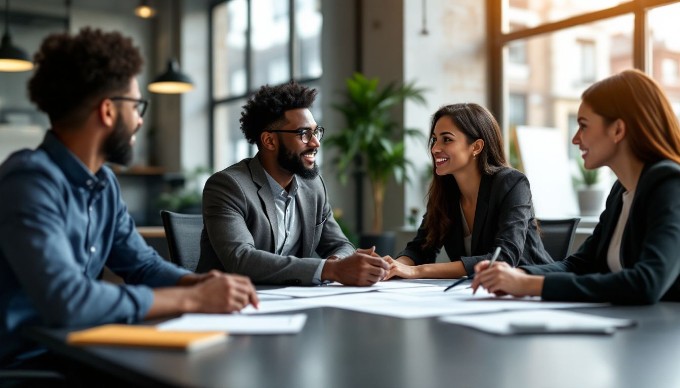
column 477, row 283
column 494, row 257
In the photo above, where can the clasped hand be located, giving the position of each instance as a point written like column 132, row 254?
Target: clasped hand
column 362, row 268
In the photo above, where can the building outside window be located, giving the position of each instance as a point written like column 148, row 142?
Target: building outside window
column 588, row 61
column 669, row 71
column 517, row 112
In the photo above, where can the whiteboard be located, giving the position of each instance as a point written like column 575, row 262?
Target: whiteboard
column 546, row 165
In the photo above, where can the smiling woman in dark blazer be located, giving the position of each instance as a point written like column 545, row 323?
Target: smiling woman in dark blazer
column 475, row 201
column 633, row 256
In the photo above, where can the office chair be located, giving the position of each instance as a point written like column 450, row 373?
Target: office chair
column 183, row 232
column 557, row 236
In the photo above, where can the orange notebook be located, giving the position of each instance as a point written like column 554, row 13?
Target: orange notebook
column 147, row 336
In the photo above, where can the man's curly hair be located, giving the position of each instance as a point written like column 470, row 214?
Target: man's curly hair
column 73, row 69
column 269, row 105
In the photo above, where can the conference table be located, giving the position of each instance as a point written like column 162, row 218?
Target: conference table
column 342, row 348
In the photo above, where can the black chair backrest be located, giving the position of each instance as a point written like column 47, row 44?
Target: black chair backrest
column 183, row 232
column 557, row 236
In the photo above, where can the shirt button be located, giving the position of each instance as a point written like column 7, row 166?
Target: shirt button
column 89, row 182
column 93, row 249
column 90, row 208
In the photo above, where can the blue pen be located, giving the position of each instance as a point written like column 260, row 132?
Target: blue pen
column 464, row 278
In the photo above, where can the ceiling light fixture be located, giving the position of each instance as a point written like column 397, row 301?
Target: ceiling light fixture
column 144, row 10
column 172, row 81
column 12, row 58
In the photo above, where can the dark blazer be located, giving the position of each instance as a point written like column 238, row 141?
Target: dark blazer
column 504, row 217
column 240, row 221
column 650, row 248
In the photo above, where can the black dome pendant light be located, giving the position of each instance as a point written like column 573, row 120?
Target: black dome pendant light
column 12, row 58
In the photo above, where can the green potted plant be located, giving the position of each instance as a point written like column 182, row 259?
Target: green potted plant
column 372, row 137
column 589, row 196
column 188, row 197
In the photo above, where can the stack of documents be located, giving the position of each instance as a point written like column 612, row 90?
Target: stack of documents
column 540, row 321
column 237, row 324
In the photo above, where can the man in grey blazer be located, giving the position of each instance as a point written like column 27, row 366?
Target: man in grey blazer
column 268, row 217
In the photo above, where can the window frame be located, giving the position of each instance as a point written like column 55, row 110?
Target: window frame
column 497, row 41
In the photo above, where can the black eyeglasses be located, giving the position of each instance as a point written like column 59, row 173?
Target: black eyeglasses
column 140, row 103
column 304, row 133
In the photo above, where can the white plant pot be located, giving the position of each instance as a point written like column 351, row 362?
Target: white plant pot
column 590, row 201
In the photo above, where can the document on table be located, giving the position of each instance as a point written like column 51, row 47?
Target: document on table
column 263, row 297
column 237, row 324
column 278, row 306
column 337, row 289
column 402, row 306
column 540, row 321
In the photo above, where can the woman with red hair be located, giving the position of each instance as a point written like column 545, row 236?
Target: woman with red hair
column 627, row 124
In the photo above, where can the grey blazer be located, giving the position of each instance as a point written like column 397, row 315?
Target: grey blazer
column 240, row 220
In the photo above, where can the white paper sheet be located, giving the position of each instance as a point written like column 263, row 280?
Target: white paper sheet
column 338, row 289
column 400, row 305
column 237, row 324
column 540, row 321
column 403, row 299
column 264, row 297
column 279, row 306
column 396, row 304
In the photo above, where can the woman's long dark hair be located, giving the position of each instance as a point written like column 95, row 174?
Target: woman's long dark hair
column 476, row 122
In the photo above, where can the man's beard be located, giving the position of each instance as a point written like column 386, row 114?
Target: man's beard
column 293, row 163
column 117, row 148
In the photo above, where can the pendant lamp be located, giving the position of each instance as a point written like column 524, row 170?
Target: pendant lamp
column 12, row 58
column 144, row 10
column 172, row 81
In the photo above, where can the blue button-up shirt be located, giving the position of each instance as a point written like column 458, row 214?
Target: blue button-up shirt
column 59, row 225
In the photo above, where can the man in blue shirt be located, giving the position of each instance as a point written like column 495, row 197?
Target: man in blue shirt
column 62, row 218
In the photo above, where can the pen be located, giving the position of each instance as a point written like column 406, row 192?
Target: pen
column 464, row 278
column 495, row 256
column 459, row 281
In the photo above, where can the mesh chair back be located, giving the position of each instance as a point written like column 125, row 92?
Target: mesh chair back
column 557, row 236
column 183, row 232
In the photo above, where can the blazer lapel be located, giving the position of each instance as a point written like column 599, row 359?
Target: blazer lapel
column 265, row 194
column 457, row 227
column 608, row 227
column 305, row 204
column 481, row 210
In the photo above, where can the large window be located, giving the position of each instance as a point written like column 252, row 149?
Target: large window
column 566, row 45
column 257, row 42
column 665, row 50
